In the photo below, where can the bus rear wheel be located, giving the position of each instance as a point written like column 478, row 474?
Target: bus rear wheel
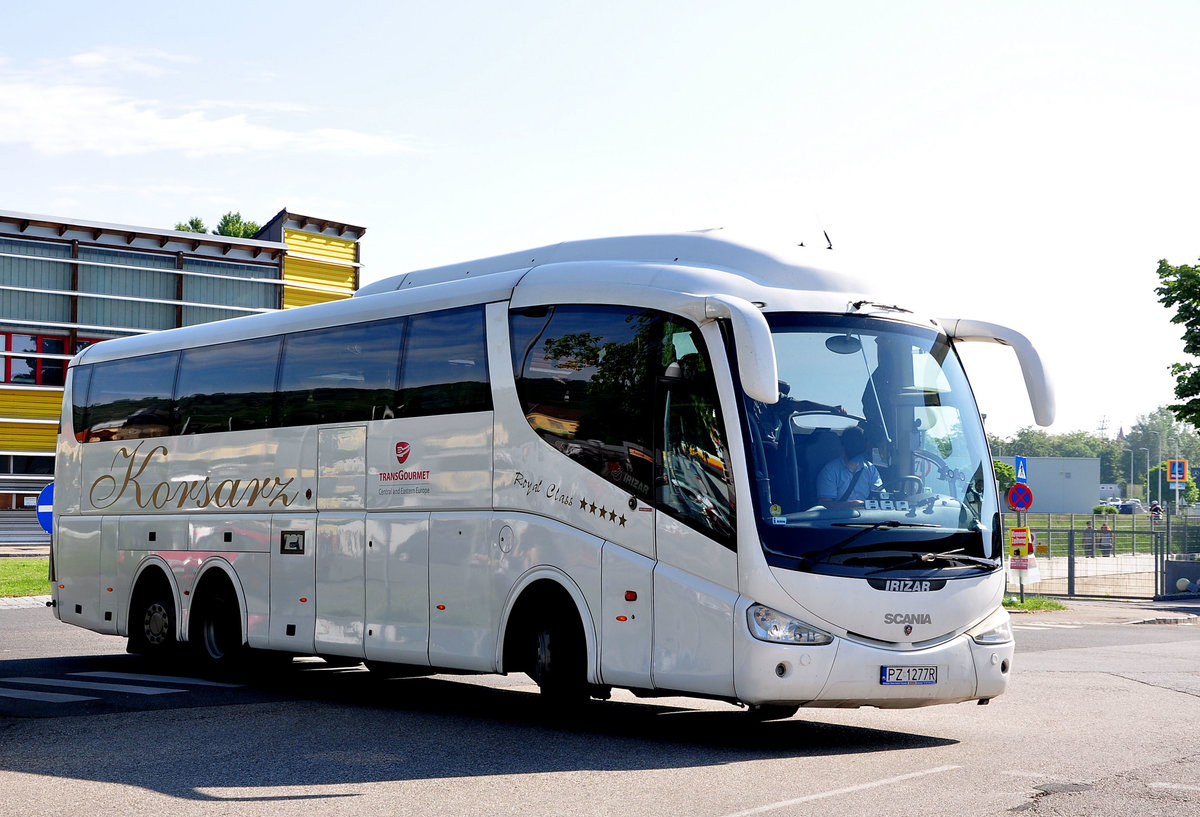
column 216, row 632
column 152, row 621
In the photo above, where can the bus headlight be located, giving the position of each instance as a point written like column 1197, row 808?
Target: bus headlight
column 771, row 625
column 995, row 629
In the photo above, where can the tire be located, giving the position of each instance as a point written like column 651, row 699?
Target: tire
column 559, row 658
column 152, row 622
column 215, row 634
column 771, row 712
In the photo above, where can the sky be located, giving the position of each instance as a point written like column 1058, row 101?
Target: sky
column 1025, row 163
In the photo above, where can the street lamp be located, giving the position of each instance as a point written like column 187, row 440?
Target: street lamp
column 1158, row 477
column 1147, row 450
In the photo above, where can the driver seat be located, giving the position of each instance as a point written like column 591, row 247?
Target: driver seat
column 824, row 446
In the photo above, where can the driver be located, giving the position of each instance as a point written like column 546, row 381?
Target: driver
column 847, row 481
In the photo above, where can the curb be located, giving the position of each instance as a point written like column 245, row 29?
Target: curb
column 23, row 602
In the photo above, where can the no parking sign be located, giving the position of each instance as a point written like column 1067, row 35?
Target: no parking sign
column 1020, row 497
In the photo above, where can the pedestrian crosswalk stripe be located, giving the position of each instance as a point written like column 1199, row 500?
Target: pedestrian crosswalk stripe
column 171, row 679
column 44, row 697
column 133, row 689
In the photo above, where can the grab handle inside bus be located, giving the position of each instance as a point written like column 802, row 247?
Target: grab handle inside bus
column 1037, row 382
column 755, row 349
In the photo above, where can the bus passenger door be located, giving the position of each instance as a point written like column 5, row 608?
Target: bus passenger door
column 341, row 540
column 340, row 596
column 695, row 579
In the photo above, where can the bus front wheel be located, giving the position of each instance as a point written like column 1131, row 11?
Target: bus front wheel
column 559, row 665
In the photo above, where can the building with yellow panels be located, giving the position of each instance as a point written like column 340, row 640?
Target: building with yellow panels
column 67, row 283
column 321, row 262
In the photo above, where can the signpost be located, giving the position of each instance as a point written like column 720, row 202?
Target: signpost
column 1020, row 560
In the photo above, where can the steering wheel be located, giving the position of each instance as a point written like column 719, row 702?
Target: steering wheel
column 911, row 485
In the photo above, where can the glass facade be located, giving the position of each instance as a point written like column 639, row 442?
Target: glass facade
column 66, row 284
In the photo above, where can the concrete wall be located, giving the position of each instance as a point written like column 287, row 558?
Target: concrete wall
column 1061, row 484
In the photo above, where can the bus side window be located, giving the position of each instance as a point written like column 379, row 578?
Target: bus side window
column 694, row 482
column 341, row 374
column 585, row 378
column 131, row 398
column 81, row 382
column 228, row 387
column 444, row 368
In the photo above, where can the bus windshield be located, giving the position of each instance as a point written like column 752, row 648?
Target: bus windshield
column 874, row 459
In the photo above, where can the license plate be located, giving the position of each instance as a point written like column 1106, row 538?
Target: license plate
column 907, row 676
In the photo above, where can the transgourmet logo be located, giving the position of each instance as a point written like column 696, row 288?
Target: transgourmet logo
column 403, row 450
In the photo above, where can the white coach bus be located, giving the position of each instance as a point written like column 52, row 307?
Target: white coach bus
column 599, row 463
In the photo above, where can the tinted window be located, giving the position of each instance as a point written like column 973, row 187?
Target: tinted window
column 81, row 381
column 131, row 398
column 694, row 482
column 342, row 374
column 445, row 364
column 586, row 377
column 24, row 369
column 629, row 394
column 53, row 368
column 230, row 387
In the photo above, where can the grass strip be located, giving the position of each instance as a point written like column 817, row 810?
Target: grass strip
column 24, row 577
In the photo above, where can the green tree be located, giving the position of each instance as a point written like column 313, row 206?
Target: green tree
column 195, row 224
column 1006, row 476
column 1180, row 290
column 231, row 224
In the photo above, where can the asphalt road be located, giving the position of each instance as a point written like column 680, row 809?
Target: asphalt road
column 1101, row 718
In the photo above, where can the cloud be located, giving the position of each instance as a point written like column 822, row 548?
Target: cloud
column 58, row 112
column 111, row 60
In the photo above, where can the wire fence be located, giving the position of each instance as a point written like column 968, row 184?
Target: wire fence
column 1127, row 556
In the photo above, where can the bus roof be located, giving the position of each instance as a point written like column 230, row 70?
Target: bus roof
column 589, row 271
column 791, row 267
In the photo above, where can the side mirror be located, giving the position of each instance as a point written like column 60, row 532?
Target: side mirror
column 755, row 349
column 1037, row 382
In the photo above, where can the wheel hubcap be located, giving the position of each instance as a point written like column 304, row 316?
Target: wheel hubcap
column 157, row 624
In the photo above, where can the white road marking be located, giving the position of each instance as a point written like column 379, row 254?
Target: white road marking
column 132, row 689
column 171, row 679
column 837, row 792
column 45, row 697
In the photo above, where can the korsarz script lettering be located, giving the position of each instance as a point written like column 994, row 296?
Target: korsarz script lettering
column 128, row 481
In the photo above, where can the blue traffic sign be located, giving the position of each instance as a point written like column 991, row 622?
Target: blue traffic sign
column 1021, row 466
column 45, row 508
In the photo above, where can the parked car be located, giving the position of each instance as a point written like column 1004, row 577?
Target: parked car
column 1131, row 506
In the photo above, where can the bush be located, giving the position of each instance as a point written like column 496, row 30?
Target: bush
column 1104, row 509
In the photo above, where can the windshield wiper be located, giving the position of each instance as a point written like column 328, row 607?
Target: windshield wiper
column 868, row 527
column 955, row 556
